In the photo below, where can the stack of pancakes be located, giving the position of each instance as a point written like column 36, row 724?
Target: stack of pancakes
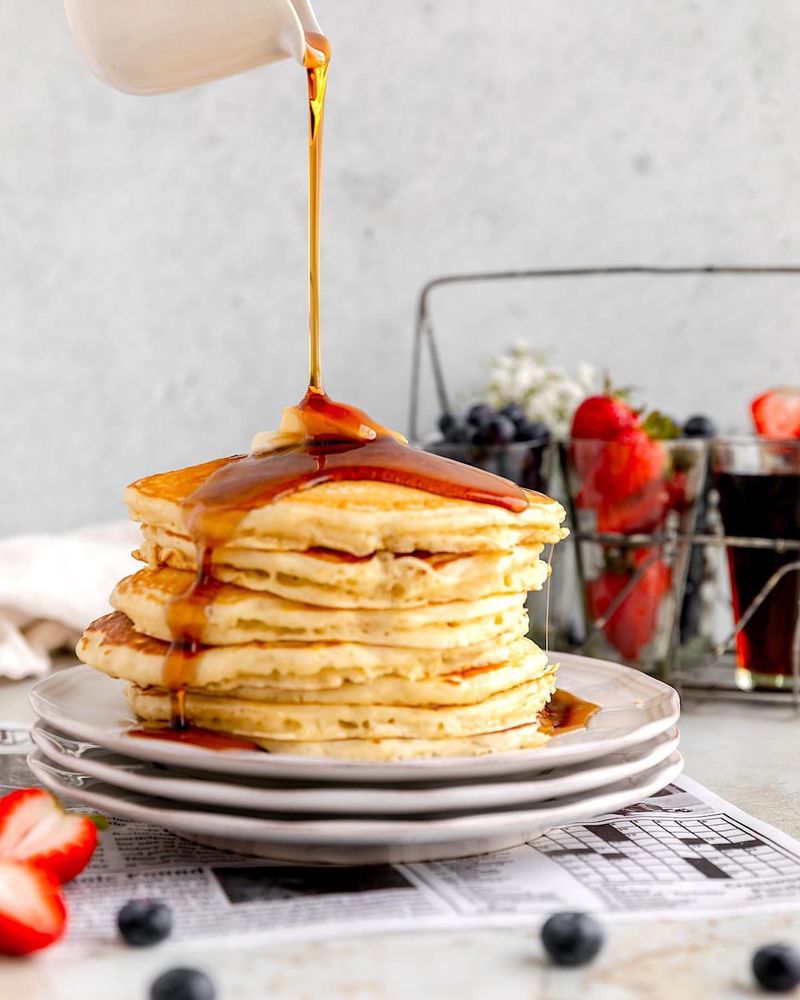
column 358, row 620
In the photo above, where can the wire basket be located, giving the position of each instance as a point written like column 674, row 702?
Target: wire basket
column 709, row 675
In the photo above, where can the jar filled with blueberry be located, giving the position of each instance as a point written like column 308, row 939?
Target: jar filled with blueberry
column 503, row 441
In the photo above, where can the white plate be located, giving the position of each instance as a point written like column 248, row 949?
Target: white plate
column 100, row 765
column 350, row 840
column 635, row 708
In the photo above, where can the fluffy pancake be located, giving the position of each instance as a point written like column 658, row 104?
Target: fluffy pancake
column 340, row 580
column 236, row 615
column 356, row 517
column 286, row 722
column 141, row 660
column 111, row 644
column 519, row 738
column 354, row 620
column 466, row 688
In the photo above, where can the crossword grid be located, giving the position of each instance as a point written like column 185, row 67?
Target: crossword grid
column 665, row 850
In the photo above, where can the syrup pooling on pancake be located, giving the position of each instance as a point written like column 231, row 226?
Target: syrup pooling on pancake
column 335, row 443
column 339, row 444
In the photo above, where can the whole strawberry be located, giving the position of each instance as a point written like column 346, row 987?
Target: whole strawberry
column 603, row 418
column 616, row 456
column 641, row 513
column 631, row 462
column 632, row 625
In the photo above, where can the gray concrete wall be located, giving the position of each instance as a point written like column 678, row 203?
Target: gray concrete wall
column 152, row 258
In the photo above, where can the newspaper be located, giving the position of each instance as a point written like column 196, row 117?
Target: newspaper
column 682, row 853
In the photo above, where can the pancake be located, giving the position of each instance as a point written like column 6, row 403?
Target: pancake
column 355, row 517
column 236, row 615
column 288, row 723
column 356, row 620
column 524, row 737
column 340, row 580
column 141, row 660
column 466, row 688
column 112, row 645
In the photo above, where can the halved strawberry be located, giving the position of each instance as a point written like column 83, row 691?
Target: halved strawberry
column 35, row 828
column 603, row 418
column 776, row 413
column 32, row 911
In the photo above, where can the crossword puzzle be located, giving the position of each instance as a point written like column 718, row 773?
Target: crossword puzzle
column 666, row 850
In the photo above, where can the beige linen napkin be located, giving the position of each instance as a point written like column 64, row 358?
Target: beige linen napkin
column 52, row 586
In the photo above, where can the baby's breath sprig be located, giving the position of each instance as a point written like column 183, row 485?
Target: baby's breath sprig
column 548, row 394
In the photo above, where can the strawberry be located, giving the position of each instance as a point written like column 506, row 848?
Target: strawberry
column 36, row 829
column 603, row 418
column 603, row 591
column 586, row 458
column 633, row 624
column 32, row 911
column 678, row 492
column 643, row 512
column 630, row 463
column 776, row 413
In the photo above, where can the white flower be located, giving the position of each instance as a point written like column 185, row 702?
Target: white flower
column 547, row 394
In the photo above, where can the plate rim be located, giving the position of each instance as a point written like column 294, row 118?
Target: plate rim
column 351, row 832
column 368, row 799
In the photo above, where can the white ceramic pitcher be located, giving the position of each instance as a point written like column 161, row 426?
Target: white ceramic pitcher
column 156, row 46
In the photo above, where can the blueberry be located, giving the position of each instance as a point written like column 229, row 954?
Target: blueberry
column 182, row 984
column 476, row 435
column 479, row 414
column 699, row 427
column 572, row 938
column 515, row 413
column 447, row 421
column 143, row 922
column 498, row 430
column 459, row 433
column 454, row 428
column 532, row 430
column 777, row 968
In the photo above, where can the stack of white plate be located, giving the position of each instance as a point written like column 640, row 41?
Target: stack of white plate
column 300, row 809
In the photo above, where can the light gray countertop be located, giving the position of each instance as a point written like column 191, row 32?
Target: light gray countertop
column 749, row 754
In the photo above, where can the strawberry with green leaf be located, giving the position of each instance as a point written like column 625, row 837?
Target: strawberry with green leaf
column 603, row 418
column 631, row 462
column 624, row 479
